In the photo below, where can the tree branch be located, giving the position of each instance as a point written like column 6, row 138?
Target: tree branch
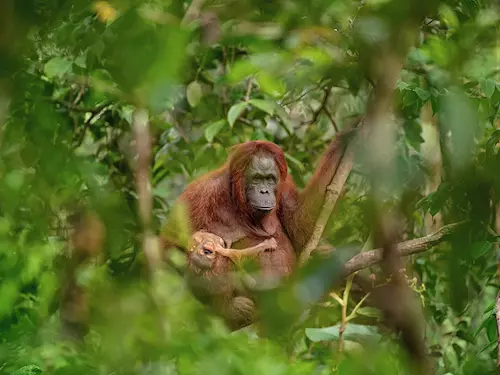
column 497, row 313
column 333, row 192
column 145, row 198
column 193, row 12
column 415, row 246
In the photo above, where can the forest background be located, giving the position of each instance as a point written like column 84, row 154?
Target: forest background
column 75, row 77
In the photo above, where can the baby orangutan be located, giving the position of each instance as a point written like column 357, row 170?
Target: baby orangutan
column 209, row 276
column 208, row 245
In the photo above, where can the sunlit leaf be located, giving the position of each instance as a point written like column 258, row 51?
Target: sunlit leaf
column 241, row 70
column 105, row 12
column 448, row 16
column 194, row 93
column 213, row 129
column 235, row 111
column 57, row 67
column 271, row 85
column 264, row 105
column 488, row 86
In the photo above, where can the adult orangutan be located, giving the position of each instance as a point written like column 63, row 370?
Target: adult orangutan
column 252, row 197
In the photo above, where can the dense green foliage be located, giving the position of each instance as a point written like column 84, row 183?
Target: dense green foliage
column 293, row 72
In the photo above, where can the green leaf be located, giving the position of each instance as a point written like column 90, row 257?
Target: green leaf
column 483, row 324
column 422, row 94
column 402, row 85
column 435, row 104
column 235, row 111
column 194, row 93
column 488, row 86
column 478, row 249
column 409, row 97
column 369, row 311
column 264, row 105
column 213, row 129
column 491, row 329
column 353, row 332
column 448, row 16
column 490, row 308
column 488, row 346
column 460, row 119
column 81, row 61
column 271, row 85
column 28, row 370
column 294, row 161
column 57, row 67
column 241, row 70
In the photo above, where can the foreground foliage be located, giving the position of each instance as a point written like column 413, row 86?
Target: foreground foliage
column 291, row 72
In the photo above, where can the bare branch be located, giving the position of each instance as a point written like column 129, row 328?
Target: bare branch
column 497, row 312
column 193, row 12
column 333, row 192
column 415, row 246
column 151, row 246
column 249, row 89
column 332, row 120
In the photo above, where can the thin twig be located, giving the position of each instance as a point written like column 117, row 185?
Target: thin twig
column 79, row 95
column 322, row 105
column 415, row 246
column 332, row 120
column 77, row 108
column 249, row 89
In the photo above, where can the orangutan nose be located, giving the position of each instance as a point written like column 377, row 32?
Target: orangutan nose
column 264, row 191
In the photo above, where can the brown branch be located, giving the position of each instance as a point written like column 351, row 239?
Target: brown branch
column 497, row 312
column 415, row 246
column 142, row 135
column 401, row 310
column 249, row 89
column 77, row 108
column 333, row 192
column 193, row 12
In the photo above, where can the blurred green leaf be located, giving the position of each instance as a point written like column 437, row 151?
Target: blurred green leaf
column 28, row 370
column 353, row 332
column 57, row 67
column 478, row 249
column 213, row 129
column 235, row 112
column 264, row 105
column 194, row 93
column 422, row 94
column 488, row 86
column 369, row 311
column 271, row 85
